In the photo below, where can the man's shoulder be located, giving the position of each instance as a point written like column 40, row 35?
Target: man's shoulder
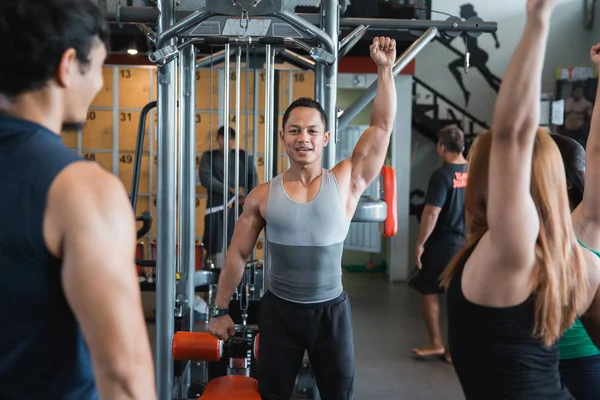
column 85, row 180
column 445, row 171
column 208, row 153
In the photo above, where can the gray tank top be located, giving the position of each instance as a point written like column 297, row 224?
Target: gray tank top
column 305, row 242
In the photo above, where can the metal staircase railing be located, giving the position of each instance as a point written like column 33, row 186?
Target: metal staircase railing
column 432, row 111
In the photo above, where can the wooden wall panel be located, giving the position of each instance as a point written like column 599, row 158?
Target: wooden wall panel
column 104, row 159
column 128, row 130
column 200, row 211
column 303, row 85
column 104, row 98
column 126, row 160
column 206, row 130
column 98, row 131
column 260, row 168
column 204, row 90
column 69, row 139
column 134, row 87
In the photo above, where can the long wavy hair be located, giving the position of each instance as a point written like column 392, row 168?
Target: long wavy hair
column 559, row 279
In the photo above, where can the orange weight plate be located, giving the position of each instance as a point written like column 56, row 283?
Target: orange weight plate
column 197, row 346
column 231, row 387
column 390, row 225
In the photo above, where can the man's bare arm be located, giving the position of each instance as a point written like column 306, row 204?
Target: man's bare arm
column 245, row 233
column 370, row 151
column 96, row 223
column 429, row 218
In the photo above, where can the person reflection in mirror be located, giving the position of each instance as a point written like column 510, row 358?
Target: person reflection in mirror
column 212, row 173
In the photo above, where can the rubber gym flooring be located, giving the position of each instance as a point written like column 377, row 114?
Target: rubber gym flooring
column 387, row 325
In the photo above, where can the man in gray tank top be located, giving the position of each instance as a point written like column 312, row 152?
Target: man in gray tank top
column 306, row 213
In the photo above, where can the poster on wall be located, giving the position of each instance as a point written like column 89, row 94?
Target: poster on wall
column 577, row 87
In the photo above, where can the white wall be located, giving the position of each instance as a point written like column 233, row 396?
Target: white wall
column 569, row 44
column 423, row 161
column 399, row 245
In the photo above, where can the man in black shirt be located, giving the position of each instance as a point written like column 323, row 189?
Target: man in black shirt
column 212, row 174
column 442, row 232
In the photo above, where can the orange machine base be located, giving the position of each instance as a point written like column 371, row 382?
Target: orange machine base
column 233, row 387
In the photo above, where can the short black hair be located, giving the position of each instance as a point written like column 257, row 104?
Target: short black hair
column 221, row 132
column 452, row 138
column 36, row 33
column 305, row 102
column 573, row 155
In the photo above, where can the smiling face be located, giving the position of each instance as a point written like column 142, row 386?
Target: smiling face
column 304, row 136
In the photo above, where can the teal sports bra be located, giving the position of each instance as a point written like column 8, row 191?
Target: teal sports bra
column 576, row 343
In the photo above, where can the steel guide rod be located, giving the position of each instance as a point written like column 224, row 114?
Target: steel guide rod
column 331, row 26
column 226, row 139
column 179, row 173
column 165, row 210
column 267, row 155
column 402, row 61
column 271, row 94
column 188, row 225
column 238, row 67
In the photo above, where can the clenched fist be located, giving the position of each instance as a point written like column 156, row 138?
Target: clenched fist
column 222, row 328
column 383, row 51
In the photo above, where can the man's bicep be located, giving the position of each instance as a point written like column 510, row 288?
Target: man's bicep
column 249, row 225
column 437, row 190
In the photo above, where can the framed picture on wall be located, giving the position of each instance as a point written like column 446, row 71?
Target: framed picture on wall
column 577, row 85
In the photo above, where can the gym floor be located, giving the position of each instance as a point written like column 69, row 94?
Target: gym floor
column 387, row 325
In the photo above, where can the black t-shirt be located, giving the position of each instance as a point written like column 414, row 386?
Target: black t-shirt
column 212, row 174
column 42, row 350
column 447, row 191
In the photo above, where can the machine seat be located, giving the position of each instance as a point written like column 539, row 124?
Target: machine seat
column 231, row 387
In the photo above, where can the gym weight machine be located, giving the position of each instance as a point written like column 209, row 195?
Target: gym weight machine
column 262, row 23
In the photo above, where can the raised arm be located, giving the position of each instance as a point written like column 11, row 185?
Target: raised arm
column 92, row 215
column 370, row 151
column 512, row 218
column 588, row 212
column 244, row 238
column 206, row 177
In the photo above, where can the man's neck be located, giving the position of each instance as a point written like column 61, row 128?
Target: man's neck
column 304, row 173
column 455, row 158
column 35, row 107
